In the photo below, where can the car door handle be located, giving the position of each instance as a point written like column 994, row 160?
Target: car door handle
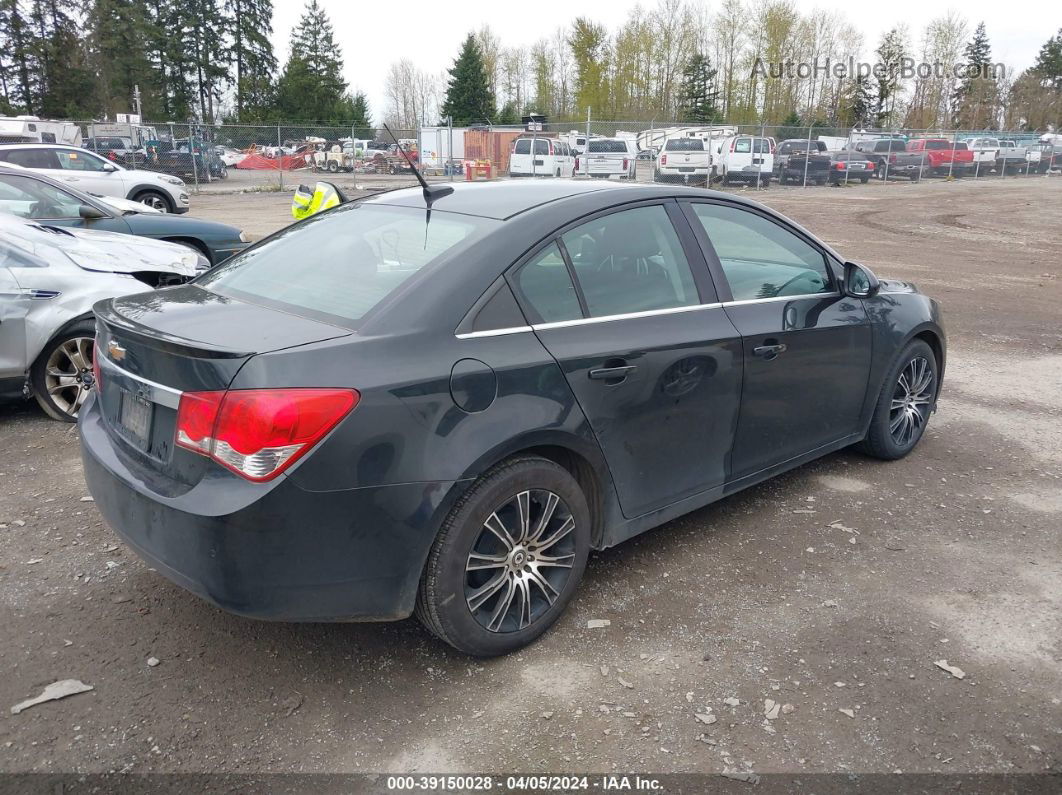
column 769, row 352
column 612, row 373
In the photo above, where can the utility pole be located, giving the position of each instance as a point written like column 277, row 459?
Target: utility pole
column 136, row 101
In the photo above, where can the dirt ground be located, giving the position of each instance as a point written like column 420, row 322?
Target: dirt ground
column 951, row 554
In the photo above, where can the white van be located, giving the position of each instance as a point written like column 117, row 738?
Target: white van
column 553, row 158
column 744, row 158
column 609, row 157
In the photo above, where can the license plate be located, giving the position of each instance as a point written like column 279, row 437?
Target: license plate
column 134, row 415
column 600, row 159
column 855, row 166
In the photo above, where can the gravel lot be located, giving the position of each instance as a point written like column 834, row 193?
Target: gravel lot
column 835, row 587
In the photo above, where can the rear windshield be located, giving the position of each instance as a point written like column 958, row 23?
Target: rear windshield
column 684, row 145
column 607, row 146
column 338, row 265
column 745, row 145
column 890, row 146
column 937, row 145
column 961, row 146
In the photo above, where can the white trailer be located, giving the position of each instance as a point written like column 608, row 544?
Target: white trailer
column 30, row 129
column 434, row 146
column 656, row 137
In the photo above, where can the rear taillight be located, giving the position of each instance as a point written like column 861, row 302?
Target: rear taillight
column 892, row 159
column 732, row 144
column 576, row 164
column 625, row 161
column 663, row 160
column 870, row 165
column 258, row 433
column 839, row 166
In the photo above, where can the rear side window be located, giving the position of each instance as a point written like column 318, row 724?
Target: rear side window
column 546, row 286
column 684, row 145
column 522, row 146
column 541, row 146
column 762, row 259
column 631, row 261
column 338, row 265
column 32, row 158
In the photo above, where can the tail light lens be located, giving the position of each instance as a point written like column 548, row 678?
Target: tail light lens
column 258, row 433
column 625, row 164
column 869, row 165
column 839, row 166
column 663, row 160
column 576, row 164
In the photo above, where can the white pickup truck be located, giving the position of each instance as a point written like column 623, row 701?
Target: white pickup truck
column 683, row 160
column 608, row 157
column 1001, row 154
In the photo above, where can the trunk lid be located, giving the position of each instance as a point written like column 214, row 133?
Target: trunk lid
column 152, row 347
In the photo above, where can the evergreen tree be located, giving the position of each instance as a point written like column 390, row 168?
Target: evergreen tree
column 1048, row 66
column 66, row 82
column 120, row 36
column 697, row 92
column 172, row 62
column 468, row 95
column 361, row 119
column 977, row 96
column 20, row 84
column 792, row 127
column 508, row 114
column 312, row 87
column 861, row 102
column 890, row 52
column 203, row 25
column 252, row 55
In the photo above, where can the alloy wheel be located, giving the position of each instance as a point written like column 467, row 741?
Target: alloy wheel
column 911, row 400
column 520, row 561
column 68, row 374
column 154, row 201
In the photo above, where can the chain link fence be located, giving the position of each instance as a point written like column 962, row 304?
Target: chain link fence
column 238, row 157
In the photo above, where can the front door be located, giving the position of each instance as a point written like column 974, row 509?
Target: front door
column 28, row 197
column 652, row 359
column 806, row 347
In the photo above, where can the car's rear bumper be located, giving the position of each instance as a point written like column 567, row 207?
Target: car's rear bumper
column 288, row 554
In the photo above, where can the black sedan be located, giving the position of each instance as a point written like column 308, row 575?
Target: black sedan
column 837, row 168
column 383, row 410
column 32, row 195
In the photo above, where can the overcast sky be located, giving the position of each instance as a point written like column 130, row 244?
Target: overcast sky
column 433, row 31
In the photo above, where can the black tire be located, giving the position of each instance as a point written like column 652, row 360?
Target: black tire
column 864, row 180
column 156, row 199
column 881, row 441
column 62, row 403
column 446, row 586
column 223, row 173
column 332, row 167
column 915, row 176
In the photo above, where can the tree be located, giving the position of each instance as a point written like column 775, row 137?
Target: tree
column 508, row 113
column 361, row 120
column 468, row 95
column 312, row 87
column 251, row 23
column 861, row 102
column 20, row 86
column 590, row 52
column 976, row 98
column 120, row 33
column 1048, row 66
column 891, row 51
column 697, row 93
column 792, row 127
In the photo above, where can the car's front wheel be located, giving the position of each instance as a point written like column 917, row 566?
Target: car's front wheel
column 156, row 200
column 61, row 376
column 905, row 403
column 507, row 559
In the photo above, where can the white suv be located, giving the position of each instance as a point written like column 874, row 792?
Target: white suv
column 94, row 174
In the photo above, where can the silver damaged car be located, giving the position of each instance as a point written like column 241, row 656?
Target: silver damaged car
column 49, row 279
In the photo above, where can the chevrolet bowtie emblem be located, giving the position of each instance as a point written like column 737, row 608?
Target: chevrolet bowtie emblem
column 115, row 351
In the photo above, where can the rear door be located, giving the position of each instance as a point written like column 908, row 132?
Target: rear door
column 625, row 305
column 806, row 347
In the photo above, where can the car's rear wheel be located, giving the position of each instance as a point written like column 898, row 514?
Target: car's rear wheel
column 61, row 376
column 507, row 559
column 905, row 403
column 155, row 199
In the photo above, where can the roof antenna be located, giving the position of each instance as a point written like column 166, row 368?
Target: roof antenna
column 431, row 192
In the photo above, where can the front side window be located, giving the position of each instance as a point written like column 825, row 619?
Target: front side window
column 546, row 286
column 760, row 258
column 631, row 261
column 28, row 198
column 78, row 161
column 338, row 265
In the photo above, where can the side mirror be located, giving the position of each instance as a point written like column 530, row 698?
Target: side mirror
column 860, row 281
column 90, row 213
column 109, row 168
